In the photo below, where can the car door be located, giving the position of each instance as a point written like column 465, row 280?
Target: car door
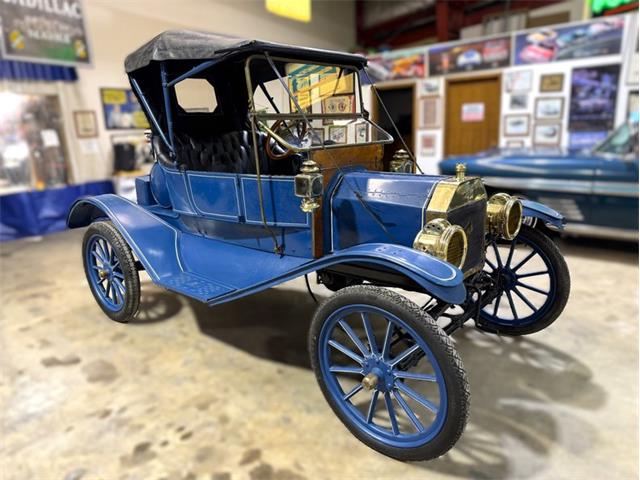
column 615, row 193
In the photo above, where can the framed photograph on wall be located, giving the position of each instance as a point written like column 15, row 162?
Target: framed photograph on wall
column 552, row 82
column 86, row 123
column 517, row 125
column 318, row 136
column 547, row 134
column 430, row 112
column 426, row 144
column 362, row 133
column 339, row 104
column 519, row 81
column 549, row 108
column 121, row 110
column 338, row 133
column 519, row 102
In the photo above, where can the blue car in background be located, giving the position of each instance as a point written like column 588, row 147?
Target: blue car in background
column 596, row 191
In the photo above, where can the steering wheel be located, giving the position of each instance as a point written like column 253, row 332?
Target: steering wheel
column 281, row 126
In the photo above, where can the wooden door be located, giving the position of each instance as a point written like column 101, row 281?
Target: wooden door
column 472, row 115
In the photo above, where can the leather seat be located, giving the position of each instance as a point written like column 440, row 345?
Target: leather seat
column 230, row 152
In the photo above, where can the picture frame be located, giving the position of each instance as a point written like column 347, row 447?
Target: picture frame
column 318, row 136
column 549, row 108
column 519, row 81
column 429, row 109
column 547, row 134
column 339, row 104
column 362, row 133
column 514, row 144
column 427, row 144
column 430, row 87
column 86, row 123
column 551, row 82
column 519, row 102
column 121, row 110
column 517, row 125
column 338, row 133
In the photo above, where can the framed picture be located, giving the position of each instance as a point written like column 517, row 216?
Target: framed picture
column 549, row 108
column 515, row 144
column 552, row 82
column 338, row 133
column 430, row 112
column 547, row 134
column 516, row 125
column 318, row 136
column 430, row 86
column 519, row 102
column 362, row 133
column 519, row 81
column 339, row 104
column 426, row 144
column 594, row 94
column 121, row 109
column 86, row 123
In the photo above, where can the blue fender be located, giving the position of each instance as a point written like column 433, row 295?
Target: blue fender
column 215, row 271
column 549, row 216
column 153, row 240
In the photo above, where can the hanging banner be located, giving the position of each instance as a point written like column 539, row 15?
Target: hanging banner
column 50, row 32
column 550, row 44
column 396, row 65
column 471, row 56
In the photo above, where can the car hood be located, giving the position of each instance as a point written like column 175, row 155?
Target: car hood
column 539, row 162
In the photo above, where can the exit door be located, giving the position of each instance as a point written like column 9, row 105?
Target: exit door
column 472, row 115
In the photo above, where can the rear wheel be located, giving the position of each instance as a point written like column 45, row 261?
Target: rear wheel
column 533, row 281
column 111, row 271
column 389, row 373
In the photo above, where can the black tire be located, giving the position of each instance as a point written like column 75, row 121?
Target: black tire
column 562, row 283
column 457, row 387
column 127, row 265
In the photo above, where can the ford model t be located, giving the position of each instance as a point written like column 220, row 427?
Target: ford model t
column 267, row 168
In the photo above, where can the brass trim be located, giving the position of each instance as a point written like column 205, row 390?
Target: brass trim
column 451, row 193
column 435, row 239
column 504, row 215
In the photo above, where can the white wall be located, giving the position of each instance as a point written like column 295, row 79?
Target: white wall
column 117, row 27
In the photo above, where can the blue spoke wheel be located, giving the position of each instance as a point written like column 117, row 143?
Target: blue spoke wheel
column 533, row 284
column 389, row 373
column 111, row 272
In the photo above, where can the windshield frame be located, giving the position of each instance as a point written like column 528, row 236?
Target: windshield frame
column 258, row 117
column 598, row 149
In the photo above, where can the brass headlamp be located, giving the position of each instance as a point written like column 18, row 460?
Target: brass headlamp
column 443, row 240
column 504, row 215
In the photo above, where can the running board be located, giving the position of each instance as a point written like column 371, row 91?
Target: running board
column 194, row 286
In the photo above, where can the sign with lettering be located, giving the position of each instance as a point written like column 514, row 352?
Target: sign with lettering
column 46, row 31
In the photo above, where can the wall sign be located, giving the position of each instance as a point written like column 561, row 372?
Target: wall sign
column 471, row 56
column 44, row 31
column 552, row 82
column 121, row 109
column 590, row 39
column 472, row 112
column 593, row 98
column 397, row 65
column 600, row 7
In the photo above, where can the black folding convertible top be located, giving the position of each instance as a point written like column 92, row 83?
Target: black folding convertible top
column 193, row 45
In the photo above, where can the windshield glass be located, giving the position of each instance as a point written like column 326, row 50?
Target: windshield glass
column 623, row 141
column 329, row 96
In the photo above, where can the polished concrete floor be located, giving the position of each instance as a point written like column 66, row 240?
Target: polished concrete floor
column 189, row 392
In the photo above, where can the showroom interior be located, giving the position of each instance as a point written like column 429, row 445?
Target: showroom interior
column 538, row 98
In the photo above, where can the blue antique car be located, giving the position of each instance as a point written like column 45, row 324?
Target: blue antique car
column 596, row 191
column 278, row 173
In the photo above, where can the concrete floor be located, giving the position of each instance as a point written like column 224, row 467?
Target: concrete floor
column 189, row 392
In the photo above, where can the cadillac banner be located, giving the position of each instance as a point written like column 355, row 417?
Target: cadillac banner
column 49, row 31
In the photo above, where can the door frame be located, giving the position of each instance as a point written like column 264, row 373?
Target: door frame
column 399, row 85
column 464, row 78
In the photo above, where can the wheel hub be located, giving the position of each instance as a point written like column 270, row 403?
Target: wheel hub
column 508, row 279
column 378, row 375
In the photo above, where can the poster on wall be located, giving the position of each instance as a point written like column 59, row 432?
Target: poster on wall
column 396, row 65
column 121, row 109
column 593, row 98
column 48, row 32
column 471, row 56
column 589, row 39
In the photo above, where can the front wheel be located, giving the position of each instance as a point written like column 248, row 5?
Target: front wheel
column 389, row 373
column 533, row 284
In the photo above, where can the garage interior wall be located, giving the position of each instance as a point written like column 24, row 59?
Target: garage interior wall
column 117, row 27
column 429, row 164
